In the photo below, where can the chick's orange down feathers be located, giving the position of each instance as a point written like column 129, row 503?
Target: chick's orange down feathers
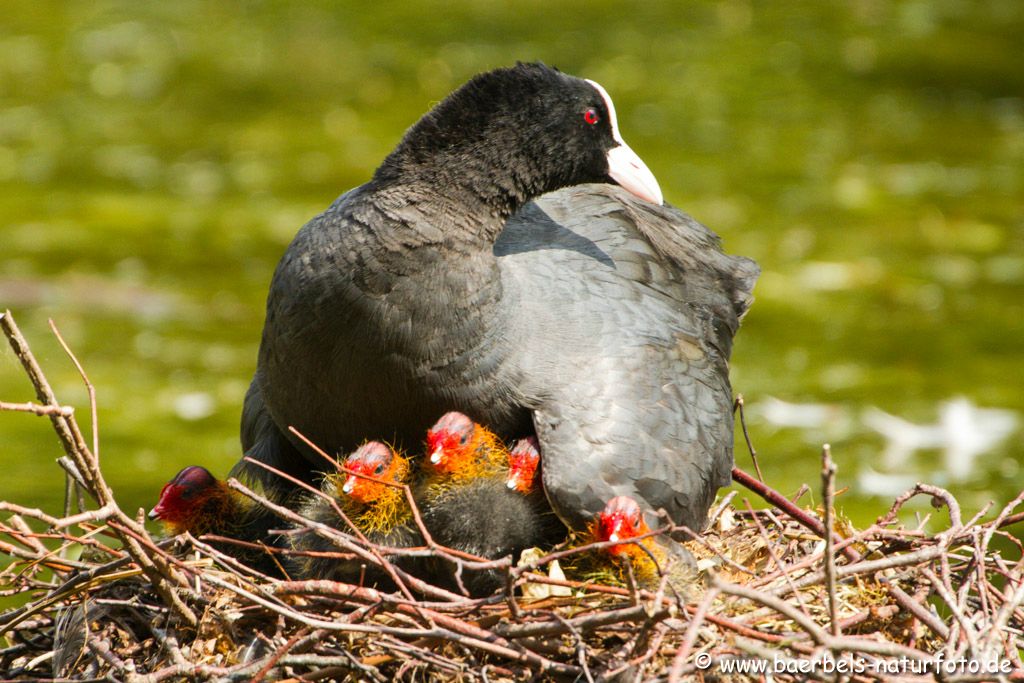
column 369, row 495
column 650, row 558
column 468, row 505
column 197, row 502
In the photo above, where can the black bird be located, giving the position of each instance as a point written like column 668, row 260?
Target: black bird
column 593, row 315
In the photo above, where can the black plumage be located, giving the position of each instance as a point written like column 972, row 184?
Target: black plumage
column 600, row 320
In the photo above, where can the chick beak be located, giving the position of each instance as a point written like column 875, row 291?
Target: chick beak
column 155, row 513
column 435, row 457
column 350, row 485
column 511, row 483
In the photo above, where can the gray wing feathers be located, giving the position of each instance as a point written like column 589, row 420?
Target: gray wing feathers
column 630, row 311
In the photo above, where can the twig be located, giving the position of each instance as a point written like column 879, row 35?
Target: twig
column 784, row 504
column 36, row 409
column 914, row 607
column 160, row 574
column 683, row 653
column 738, row 405
column 828, row 485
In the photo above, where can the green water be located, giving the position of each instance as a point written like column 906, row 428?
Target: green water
column 156, row 159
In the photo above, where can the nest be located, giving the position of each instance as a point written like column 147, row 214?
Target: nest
column 788, row 593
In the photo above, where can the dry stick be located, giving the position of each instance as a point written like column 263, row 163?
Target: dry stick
column 580, row 645
column 88, row 386
column 480, row 639
column 1001, row 519
column 817, row 634
column 867, row 566
column 639, row 662
column 683, row 653
column 800, row 492
column 775, row 558
column 1005, row 612
column 369, row 554
column 70, row 479
column 828, row 485
column 926, row 617
column 980, row 573
column 1010, row 520
column 159, row 572
column 21, row 532
column 35, row 374
column 937, row 494
column 717, row 512
column 36, row 409
column 276, row 656
column 584, row 623
column 341, row 539
column 967, row 628
column 746, row 435
column 784, row 504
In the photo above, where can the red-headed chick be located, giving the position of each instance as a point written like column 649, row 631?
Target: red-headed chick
column 378, row 510
column 460, row 450
column 651, row 557
column 197, row 502
column 524, row 466
column 467, row 504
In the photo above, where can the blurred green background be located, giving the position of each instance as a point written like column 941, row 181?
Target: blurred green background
column 156, row 159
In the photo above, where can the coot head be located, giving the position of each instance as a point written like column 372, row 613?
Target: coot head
column 450, row 440
column 372, row 459
column 523, row 463
column 620, row 520
column 184, row 495
column 511, row 134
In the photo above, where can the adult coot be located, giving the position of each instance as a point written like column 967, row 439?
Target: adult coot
column 592, row 315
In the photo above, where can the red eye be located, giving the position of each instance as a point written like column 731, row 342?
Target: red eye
column 591, row 116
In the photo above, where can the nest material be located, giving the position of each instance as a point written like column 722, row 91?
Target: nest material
column 892, row 601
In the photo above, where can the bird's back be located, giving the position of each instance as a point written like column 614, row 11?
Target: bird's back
column 626, row 313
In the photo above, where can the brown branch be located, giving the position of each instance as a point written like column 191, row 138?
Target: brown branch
column 738, row 406
column 828, row 485
column 784, row 504
column 160, row 574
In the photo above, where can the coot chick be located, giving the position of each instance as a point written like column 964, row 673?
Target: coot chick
column 467, row 504
column 651, row 557
column 197, row 502
column 381, row 512
column 524, row 477
column 592, row 316
column 524, row 467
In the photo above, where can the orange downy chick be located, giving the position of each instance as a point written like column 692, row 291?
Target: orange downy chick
column 524, row 467
column 623, row 520
column 462, row 450
column 197, row 502
column 379, row 511
column 468, row 504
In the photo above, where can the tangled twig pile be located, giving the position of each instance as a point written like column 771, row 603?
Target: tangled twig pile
column 786, row 588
